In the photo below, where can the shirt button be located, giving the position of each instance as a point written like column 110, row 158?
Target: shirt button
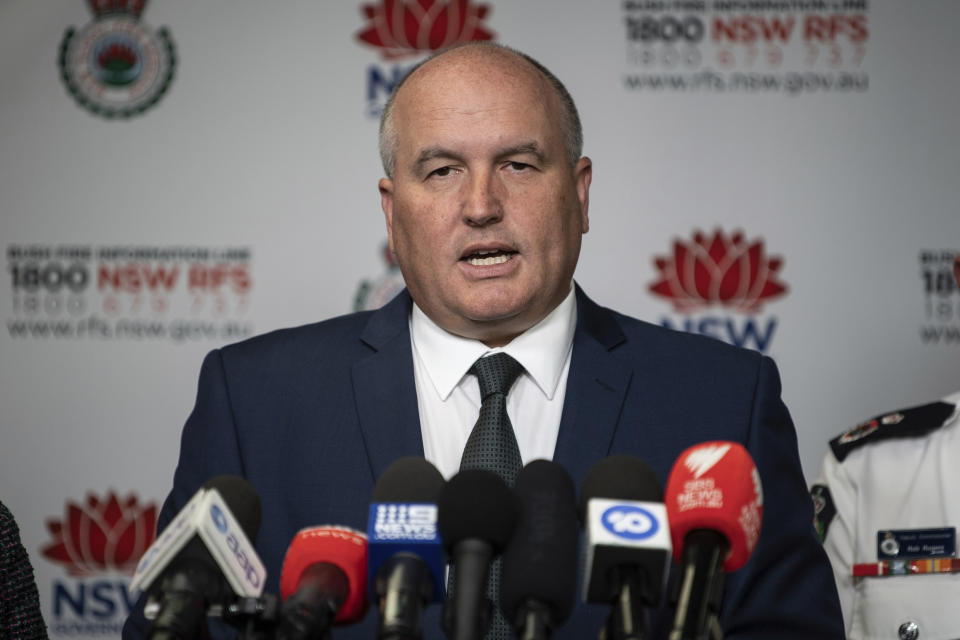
column 909, row 630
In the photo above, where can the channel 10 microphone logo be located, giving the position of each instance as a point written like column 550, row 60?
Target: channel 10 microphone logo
column 630, row 522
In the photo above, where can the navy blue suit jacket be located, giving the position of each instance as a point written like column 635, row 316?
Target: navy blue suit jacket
column 312, row 416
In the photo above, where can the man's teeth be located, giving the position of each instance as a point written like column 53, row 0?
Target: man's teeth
column 483, row 262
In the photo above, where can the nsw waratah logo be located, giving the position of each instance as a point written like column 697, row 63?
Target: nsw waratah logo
column 722, row 269
column 721, row 272
column 408, row 27
column 115, row 66
column 101, row 534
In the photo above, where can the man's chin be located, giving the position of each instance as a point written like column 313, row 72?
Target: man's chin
column 493, row 311
column 498, row 325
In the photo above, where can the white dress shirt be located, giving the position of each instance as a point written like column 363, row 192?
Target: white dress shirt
column 448, row 396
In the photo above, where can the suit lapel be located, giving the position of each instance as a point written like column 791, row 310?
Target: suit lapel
column 596, row 388
column 384, row 388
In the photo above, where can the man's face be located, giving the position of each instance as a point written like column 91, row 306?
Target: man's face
column 484, row 212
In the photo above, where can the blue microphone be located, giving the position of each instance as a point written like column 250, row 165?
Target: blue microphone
column 405, row 561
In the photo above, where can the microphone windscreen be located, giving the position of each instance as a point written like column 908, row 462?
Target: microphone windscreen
column 241, row 498
column 403, row 521
column 410, row 479
column 540, row 562
column 476, row 503
column 715, row 485
column 620, row 477
column 343, row 547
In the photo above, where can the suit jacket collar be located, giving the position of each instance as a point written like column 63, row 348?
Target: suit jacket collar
column 386, row 396
column 385, row 391
column 596, row 388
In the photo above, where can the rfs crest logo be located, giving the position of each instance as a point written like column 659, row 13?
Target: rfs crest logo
column 115, row 66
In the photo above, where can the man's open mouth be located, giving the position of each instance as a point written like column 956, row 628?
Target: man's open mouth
column 487, row 257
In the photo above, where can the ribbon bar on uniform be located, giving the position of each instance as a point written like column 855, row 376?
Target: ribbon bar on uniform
column 906, row 567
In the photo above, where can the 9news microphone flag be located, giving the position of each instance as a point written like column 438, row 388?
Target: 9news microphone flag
column 406, row 563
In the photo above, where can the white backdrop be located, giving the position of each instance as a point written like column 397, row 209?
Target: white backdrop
column 245, row 199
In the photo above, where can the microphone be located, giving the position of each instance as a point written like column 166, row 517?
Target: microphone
column 406, row 566
column 627, row 543
column 540, row 562
column 715, row 505
column 323, row 581
column 477, row 512
column 202, row 560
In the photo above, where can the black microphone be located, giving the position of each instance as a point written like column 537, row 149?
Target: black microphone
column 405, row 554
column 627, row 543
column 477, row 514
column 540, row 562
column 182, row 576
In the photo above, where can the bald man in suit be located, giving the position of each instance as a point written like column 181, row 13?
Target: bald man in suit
column 486, row 199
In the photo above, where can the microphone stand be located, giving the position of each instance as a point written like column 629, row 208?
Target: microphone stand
column 716, row 633
column 254, row 618
column 628, row 618
column 698, row 600
column 534, row 621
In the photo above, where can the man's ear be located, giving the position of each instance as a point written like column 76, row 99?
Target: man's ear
column 582, row 176
column 386, row 202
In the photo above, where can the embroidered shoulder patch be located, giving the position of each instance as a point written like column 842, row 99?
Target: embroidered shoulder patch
column 823, row 509
column 906, row 423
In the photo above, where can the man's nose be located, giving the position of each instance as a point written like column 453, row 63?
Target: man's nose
column 482, row 204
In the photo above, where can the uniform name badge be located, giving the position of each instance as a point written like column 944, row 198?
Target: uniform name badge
column 912, row 552
column 916, row 543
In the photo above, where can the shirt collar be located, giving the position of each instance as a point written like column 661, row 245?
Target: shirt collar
column 542, row 349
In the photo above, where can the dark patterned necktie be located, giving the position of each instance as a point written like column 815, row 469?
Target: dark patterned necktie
column 492, row 445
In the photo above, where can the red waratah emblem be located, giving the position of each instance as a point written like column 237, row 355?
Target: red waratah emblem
column 102, row 534
column 722, row 269
column 405, row 27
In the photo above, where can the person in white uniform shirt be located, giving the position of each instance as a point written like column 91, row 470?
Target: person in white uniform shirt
column 887, row 504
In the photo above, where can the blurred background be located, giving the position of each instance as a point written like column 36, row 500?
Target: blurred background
column 176, row 175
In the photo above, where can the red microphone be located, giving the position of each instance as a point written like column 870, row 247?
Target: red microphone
column 323, row 581
column 715, row 505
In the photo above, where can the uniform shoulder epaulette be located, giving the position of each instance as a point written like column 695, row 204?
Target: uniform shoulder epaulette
column 906, row 423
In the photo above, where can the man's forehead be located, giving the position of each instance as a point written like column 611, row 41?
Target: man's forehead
column 470, row 66
column 474, row 57
column 471, row 86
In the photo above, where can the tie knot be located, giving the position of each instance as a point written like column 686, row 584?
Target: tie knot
column 496, row 373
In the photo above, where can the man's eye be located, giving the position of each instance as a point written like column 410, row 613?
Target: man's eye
column 442, row 172
column 519, row 166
